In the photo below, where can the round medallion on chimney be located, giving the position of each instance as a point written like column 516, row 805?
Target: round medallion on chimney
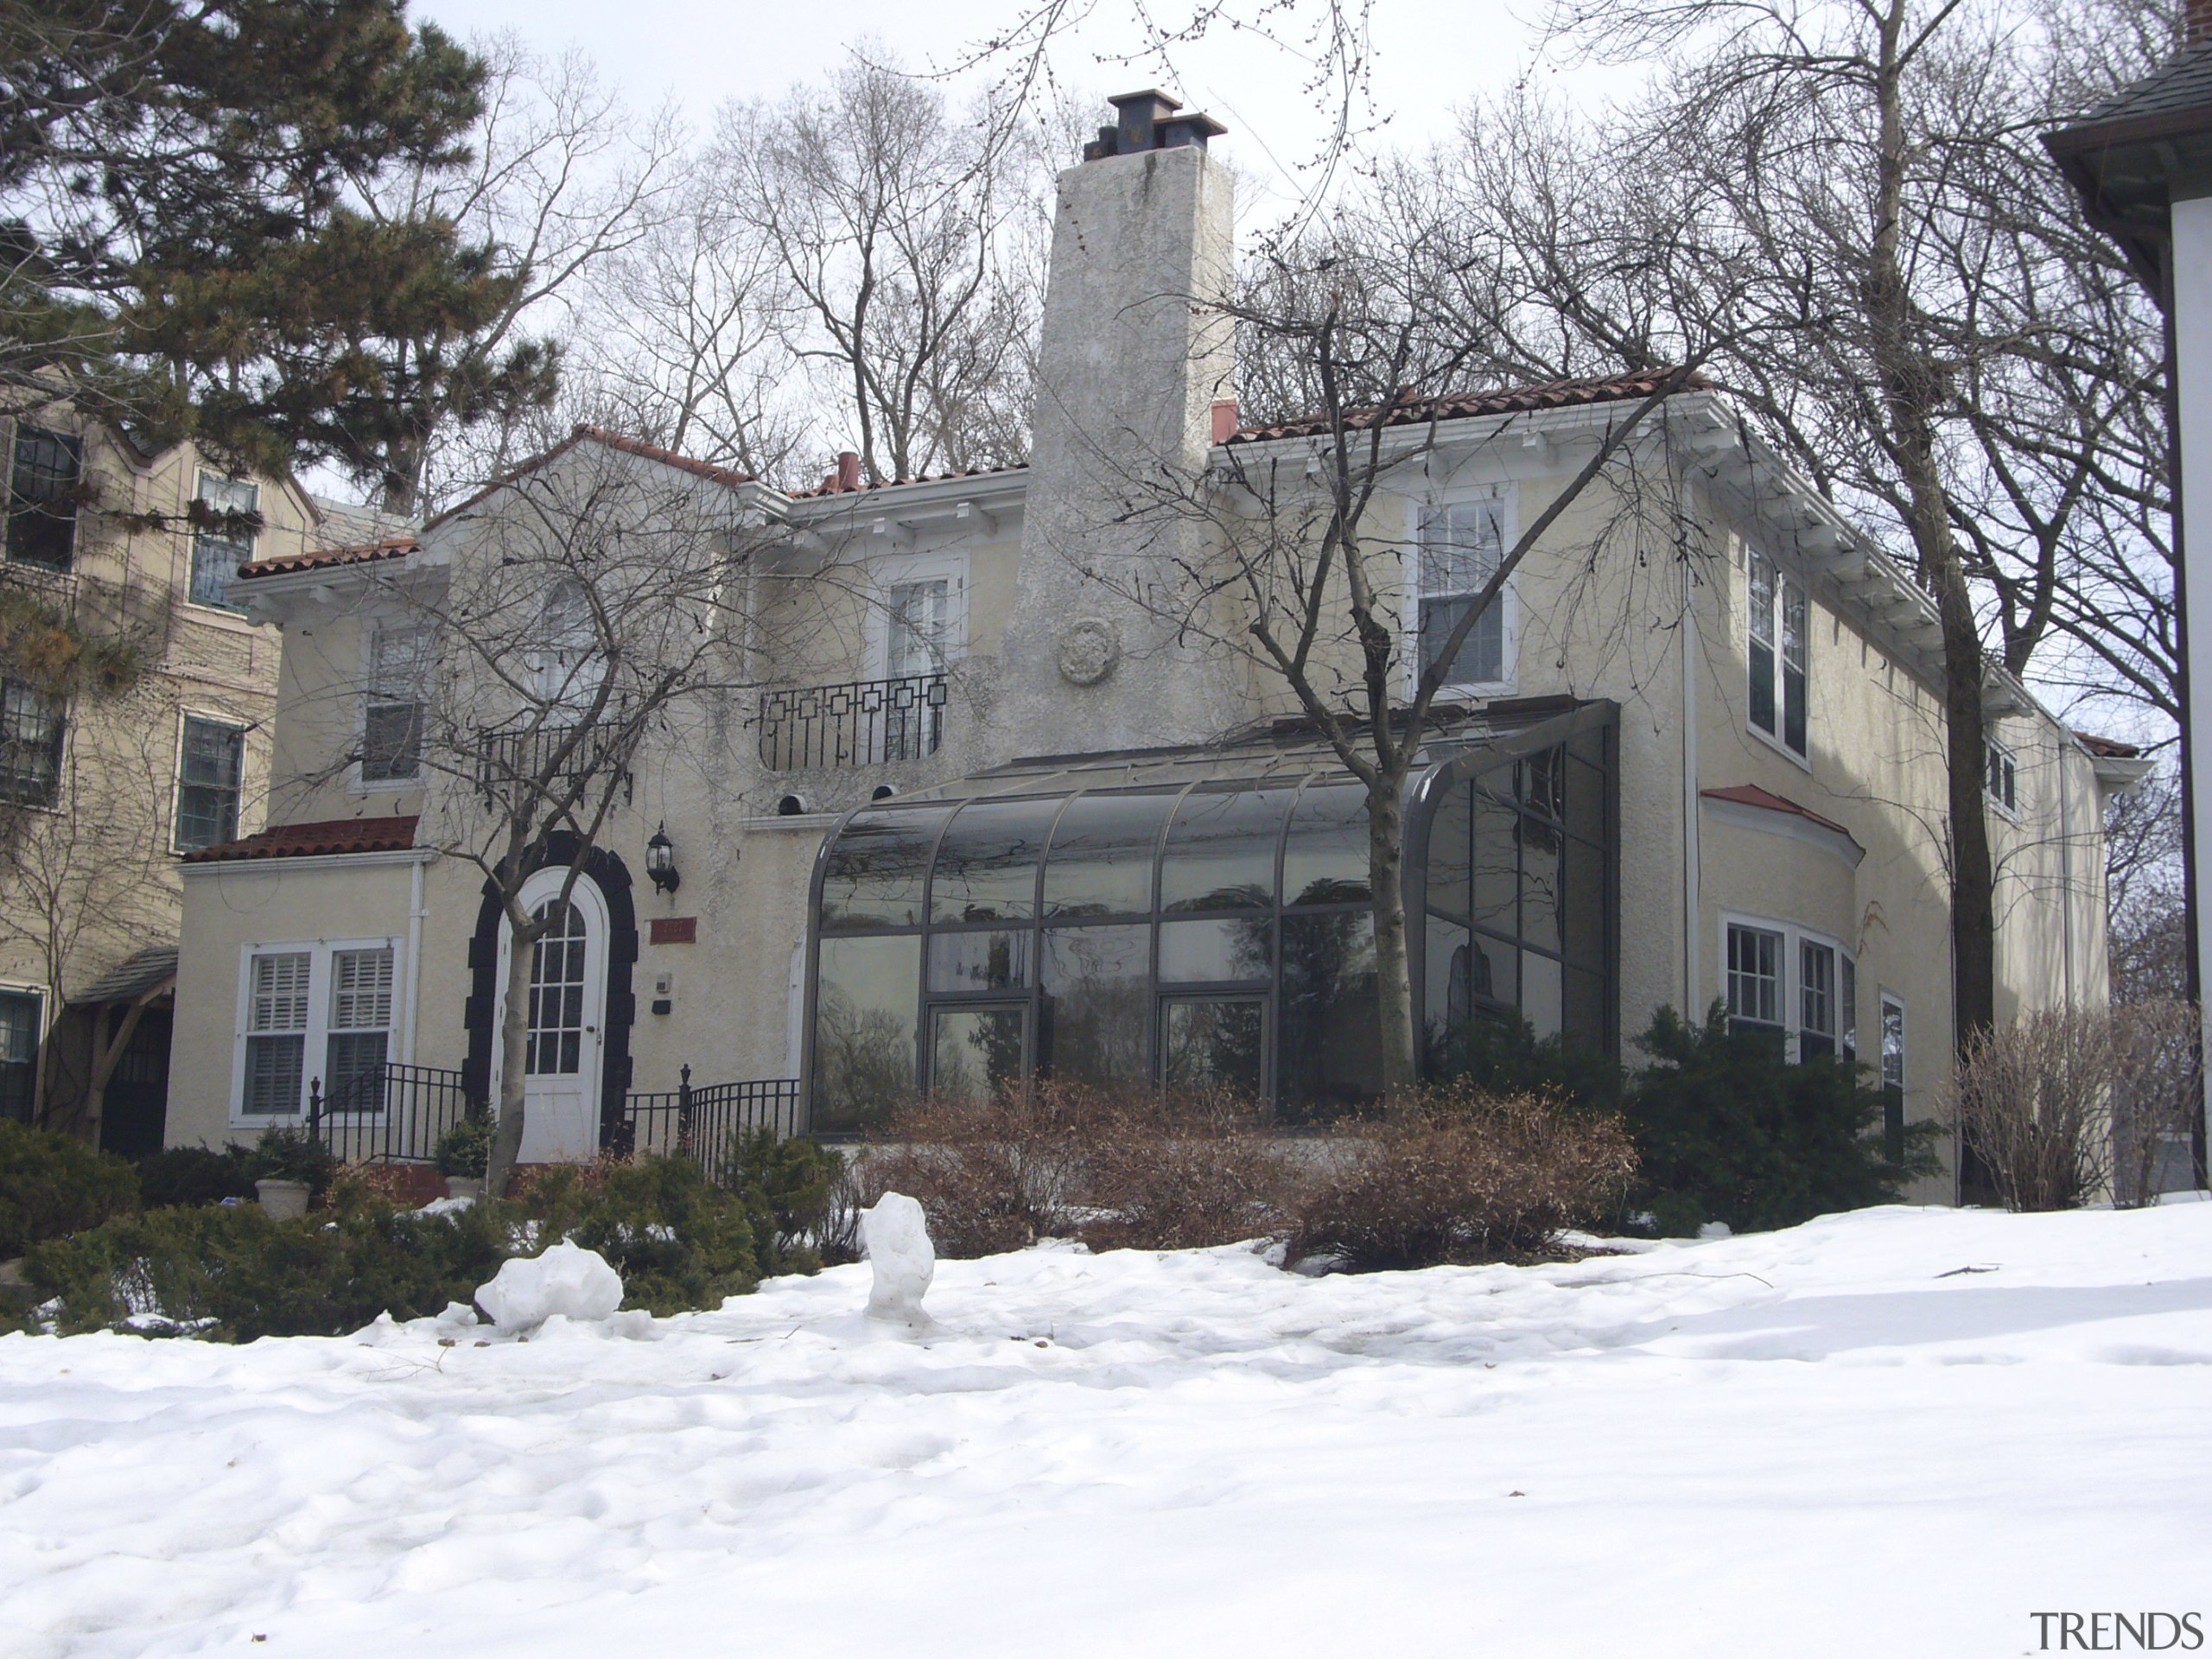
column 1089, row 648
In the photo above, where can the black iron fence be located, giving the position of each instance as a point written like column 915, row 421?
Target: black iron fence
column 389, row 1113
column 706, row 1123
column 862, row 723
column 533, row 758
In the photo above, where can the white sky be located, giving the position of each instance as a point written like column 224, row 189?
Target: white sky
column 1428, row 56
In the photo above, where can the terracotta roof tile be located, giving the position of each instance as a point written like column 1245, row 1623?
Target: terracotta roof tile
column 829, row 486
column 324, row 839
column 398, row 547
column 587, row 432
column 1752, row 795
column 1505, row 400
column 2108, row 748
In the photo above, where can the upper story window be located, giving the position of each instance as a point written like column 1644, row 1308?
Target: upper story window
column 565, row 665
column 2001, row 777
column 391, row 718
column 209, row 772
column 1461, row 547
column 1778, row 631
column 217, row 548
column 31, row 727
column 42, row 497
column 918, row 635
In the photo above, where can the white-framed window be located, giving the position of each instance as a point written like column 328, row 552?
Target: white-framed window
column 32, row 728
column 1800, row 984
column 920, row 616
column 2001, row 777
column 220, row 546
column 1459, row 547
column 315, row 1017
column 210, row 775
column 564, row 661
column 1755, row 992
column 392, row 712
column 1893, row 1043
column 1778, row 646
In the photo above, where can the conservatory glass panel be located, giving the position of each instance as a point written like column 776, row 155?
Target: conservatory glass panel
column 1096, row 1003
column 1192, row 952
column 976, row 1053
column 1101, row 861
column 1450, row 829
column 1585, row 903
column 1541, row 992
column 987, row 863
column 1450, row 975
column 1214, row 1042
column 993, row 960
column 1496, row 864
column 864, row 1003
column 873, row 876
column 1221, row 850
column 1331, row 1055
column 1325, row 856
column 1542, row 859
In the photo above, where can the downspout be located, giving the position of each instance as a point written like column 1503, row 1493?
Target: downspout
column 1692, row 889
column 2066, row 864
column 414, row 915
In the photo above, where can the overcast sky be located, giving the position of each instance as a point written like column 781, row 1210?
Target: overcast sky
column 1428, row 57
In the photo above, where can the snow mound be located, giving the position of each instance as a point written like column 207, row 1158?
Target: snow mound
column 896, row 1237
column 567, row 1279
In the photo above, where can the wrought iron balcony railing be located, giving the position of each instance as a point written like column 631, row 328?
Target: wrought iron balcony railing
column 530, row 758
column 862, row 723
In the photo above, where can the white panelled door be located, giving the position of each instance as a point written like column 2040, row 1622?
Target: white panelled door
column 567, row 1019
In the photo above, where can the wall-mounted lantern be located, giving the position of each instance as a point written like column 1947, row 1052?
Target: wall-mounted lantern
column 660, row 861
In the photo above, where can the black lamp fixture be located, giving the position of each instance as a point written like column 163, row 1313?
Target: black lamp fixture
column 660, row 861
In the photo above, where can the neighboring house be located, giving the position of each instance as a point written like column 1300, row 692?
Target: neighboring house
column 136, row 699
column 2142, row 164
column 987, row 814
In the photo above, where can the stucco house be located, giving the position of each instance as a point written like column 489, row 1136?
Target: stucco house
column 976, row 809
column 137, row 699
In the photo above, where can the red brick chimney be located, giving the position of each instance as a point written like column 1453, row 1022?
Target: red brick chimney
column 849, row 469
column 2196, row 22
column 1224, row 409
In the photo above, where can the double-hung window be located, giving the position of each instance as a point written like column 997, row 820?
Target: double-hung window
column 226, row 510
column 43, row 481
column 277, row 983
column 566, row 666
column 2001, row 777
column 316, row 1021
column 1779, row 625
column 917, row 638
column 1462, row 544
column 31, row 727
column 392, row 719
column 1817, row 1008
column 209, row 772
column 1754, row 977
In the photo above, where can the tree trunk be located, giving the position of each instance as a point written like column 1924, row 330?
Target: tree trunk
column 1974, row 904
column 1396, row 1027
column 514, row 1035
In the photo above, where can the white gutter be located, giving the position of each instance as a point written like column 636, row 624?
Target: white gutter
column 1692, row 871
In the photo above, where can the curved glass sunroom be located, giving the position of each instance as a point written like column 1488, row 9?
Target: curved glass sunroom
column 1185, row 917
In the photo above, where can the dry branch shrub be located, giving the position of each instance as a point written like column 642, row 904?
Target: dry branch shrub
column 2157, row 1090
column 1449, row 1174
column 2032, row 1099
column 1183, row 1172
column 990, row 1175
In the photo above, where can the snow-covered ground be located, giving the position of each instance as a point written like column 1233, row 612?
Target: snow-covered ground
column 1827, row 1440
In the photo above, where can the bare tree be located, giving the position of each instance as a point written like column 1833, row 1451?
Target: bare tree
column 2144, row 885
column 906, row 235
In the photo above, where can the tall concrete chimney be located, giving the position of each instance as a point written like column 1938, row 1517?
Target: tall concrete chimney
column 1135, row 353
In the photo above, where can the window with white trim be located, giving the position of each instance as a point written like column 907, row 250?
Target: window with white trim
column 919, row 620
column 32, row 723
column 1816, row 998
column 1780, row 622
column 1893, row 1076
column 1461, row 546
column 1754, row 976
column 360, row 1038
column 565, row 663
column 223, row 540
column 277, row 984
column 317, row 1019
column 2001, row 777
column 392, row 716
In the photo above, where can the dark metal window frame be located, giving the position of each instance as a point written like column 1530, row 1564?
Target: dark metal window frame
column 17, row 747
column 48, row 511
column 237, row 730
column 1510, row 749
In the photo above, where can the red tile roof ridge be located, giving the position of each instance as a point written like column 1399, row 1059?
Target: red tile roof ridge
column 823, row 492
column 392, row 547
column 585, row 430
column 2108, row 748
column 1752, row 795
column 323, row 838
column 1503, row 400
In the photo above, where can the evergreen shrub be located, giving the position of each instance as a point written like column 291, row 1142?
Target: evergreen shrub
column 52, row 1185
column 189, row 1175
column 1730, row 1130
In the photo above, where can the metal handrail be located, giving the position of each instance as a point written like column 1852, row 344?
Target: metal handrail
column 389, row 1114
column 858, row 723
column 706, row 1124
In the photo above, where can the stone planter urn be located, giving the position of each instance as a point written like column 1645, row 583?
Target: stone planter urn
column 283, row 1200
column 465, row 1187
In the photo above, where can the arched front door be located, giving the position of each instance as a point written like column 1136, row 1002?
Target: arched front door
column 563, row 1058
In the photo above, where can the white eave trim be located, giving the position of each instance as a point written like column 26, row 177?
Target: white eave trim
column 310, row 862
column 1791, row 826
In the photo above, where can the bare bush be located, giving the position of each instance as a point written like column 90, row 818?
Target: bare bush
column 1183, row 1173
column 2157, row 1078
column 990, row 1175
column 2032, row 1099
column 1451, row 1174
